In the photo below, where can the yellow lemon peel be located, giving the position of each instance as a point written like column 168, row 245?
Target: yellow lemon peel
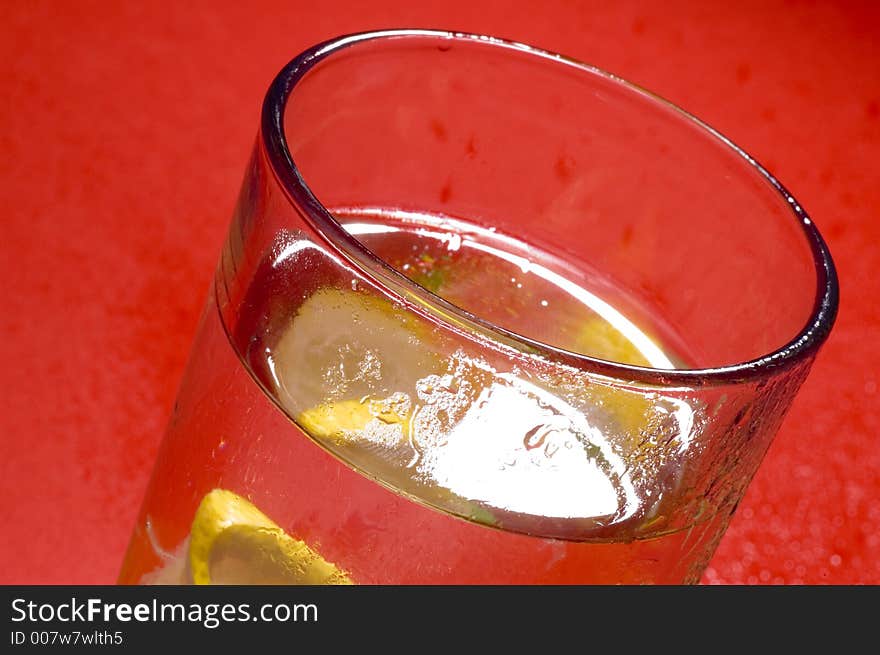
column 225, row 521
column 340, row 420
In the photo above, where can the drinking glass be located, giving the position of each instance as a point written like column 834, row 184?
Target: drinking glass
column 484, row 314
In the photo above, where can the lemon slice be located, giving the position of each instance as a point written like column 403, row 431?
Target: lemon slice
column 233, row 542
column 341, row 421
column 375, row 436
column 602, row 340
column 630, row 410
column 351, row 344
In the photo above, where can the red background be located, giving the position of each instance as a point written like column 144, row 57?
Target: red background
column 124, row 132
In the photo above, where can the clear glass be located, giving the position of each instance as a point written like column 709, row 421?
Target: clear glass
column 484, row 315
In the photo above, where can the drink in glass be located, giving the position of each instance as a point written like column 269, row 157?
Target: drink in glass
column 484, row 315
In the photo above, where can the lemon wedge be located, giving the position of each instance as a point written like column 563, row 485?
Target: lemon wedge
column 351, row 344
column 233, row 542
column 340, row 421
column 348, row 423
column 602, row 340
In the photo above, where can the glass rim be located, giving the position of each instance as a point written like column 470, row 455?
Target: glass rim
column 274, row 142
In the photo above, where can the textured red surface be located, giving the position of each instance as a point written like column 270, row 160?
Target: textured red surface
column 124, row 131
